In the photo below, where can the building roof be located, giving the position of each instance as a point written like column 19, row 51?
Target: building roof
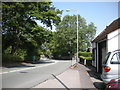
column 112, row 27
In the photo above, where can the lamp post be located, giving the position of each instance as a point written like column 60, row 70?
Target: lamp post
column 77, row 37
column 77, row 34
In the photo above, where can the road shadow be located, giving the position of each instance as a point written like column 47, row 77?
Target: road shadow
column 20, row 65
column 99, row 85
column 92, row 72
column 42, row 62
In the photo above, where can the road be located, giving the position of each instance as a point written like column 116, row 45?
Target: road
column 30, row 77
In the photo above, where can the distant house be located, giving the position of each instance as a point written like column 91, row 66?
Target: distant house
column 106, row 41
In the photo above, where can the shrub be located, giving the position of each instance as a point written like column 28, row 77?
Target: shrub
column 11, row 58
column 87, row 58
column 85, row 54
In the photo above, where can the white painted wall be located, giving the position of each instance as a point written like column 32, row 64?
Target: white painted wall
column 113, row 40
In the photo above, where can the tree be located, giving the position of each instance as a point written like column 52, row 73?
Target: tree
column 19, row 27
column 66, row 34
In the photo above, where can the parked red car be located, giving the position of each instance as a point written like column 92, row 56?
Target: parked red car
column 114, row 84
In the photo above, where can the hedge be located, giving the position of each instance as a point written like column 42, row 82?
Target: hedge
column 11, row 58
column 85, row 55
column 87, row 58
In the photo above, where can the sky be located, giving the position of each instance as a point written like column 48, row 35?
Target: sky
column 100, row 13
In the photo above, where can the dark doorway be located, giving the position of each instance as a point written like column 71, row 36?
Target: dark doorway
column 101, row 51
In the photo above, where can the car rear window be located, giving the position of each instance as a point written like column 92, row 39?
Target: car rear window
column 116, row 58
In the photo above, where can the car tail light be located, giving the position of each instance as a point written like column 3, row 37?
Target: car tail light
column 107, row 69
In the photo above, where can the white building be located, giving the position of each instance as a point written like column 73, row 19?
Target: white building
column 106, row 41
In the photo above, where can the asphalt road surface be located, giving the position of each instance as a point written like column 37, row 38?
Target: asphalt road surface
column 33, row 76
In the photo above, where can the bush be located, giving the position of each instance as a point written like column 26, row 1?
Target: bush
column 85, row 54
column 11, row 58
column 30, row 58
column 87, row 58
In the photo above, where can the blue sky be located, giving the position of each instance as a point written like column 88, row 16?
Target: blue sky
column 100, row 13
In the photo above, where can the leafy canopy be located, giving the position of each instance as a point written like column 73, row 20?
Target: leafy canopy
column 19, row 26
column 65, row 38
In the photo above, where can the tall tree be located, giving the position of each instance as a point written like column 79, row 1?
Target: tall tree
column 65, row 37
column 19, row 22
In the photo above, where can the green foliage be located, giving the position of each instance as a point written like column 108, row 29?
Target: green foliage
column 86, row 58
column 85, row 55
column 11, row 58
column 21, row 35
column 65, row 38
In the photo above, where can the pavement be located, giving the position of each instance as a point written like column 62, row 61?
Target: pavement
column 80, row 76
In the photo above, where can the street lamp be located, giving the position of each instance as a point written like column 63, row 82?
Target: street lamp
column 77, row 33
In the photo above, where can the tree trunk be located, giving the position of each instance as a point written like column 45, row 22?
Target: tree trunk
column 13, row 50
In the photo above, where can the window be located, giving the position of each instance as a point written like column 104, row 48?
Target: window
column 106, row 58
column 116, row 58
